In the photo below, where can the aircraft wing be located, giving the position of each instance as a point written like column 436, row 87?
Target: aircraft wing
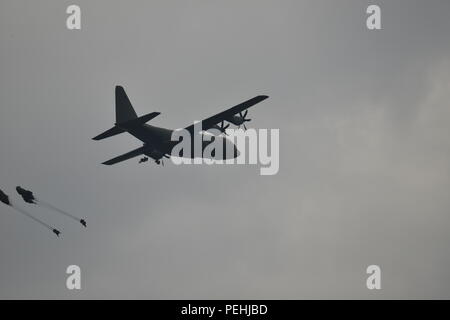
column 223, row 116
column 126, row 156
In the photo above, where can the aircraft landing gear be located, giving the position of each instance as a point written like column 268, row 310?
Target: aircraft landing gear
column 144, row 159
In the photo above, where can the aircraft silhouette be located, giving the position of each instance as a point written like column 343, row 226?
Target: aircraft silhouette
column 157, row 143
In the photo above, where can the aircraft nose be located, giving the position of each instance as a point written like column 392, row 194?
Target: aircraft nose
column 236, row 152
column 230, row 150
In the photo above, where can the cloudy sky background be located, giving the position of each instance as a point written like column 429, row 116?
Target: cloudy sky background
column 364, row 149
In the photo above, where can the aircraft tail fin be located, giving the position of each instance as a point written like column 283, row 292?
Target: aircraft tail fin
column 124, row 109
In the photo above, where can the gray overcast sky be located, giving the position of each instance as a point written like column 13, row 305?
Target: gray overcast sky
column 364, row 149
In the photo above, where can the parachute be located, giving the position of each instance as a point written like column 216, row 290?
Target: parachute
column 5, row 199
column 29, row 197
column 42, row 223
column 51, row 207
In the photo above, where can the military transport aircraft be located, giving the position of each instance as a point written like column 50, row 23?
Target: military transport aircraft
column 157, row 142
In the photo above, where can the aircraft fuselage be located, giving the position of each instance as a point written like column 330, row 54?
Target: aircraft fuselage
column 158, row 142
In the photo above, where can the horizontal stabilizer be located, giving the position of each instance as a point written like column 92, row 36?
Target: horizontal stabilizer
column 126, row 156
column 109, row 133
column 138, row 121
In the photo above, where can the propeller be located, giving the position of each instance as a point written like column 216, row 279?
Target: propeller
column 223, row 127
column 244, row 119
